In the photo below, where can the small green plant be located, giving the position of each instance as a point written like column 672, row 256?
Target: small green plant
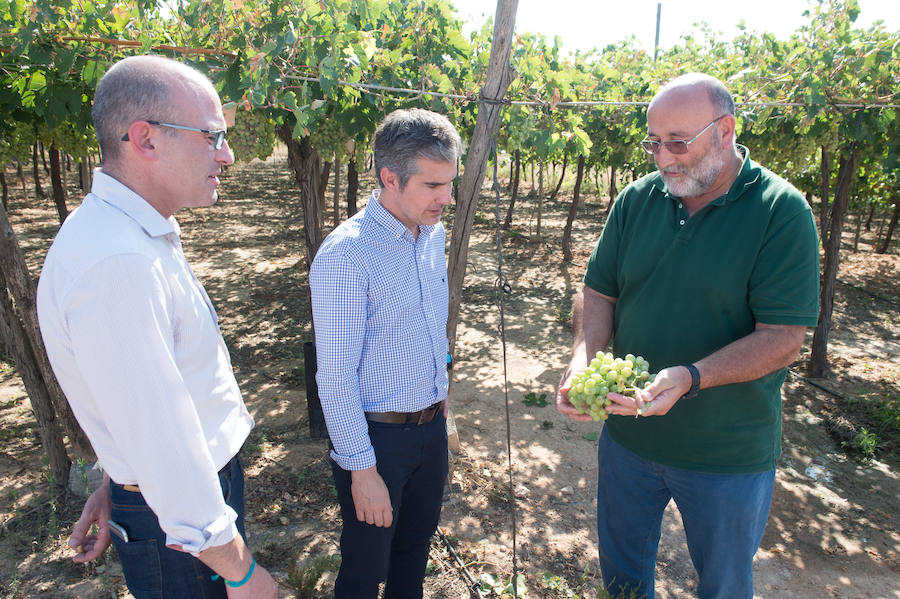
column 482, row 218
column 559, row 585
column 431, row 567
column 500, row 492
column 82, row 470
column 53, row 520
column 304, row 577
column 865, row 442
column 591, row 436
column 564, row 309
column 534, row 400
column 256, row 445
column 885, row 414
column 503, row 589
column 623, row 594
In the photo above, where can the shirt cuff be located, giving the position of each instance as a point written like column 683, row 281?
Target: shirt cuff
column 220, row 531
column 361, row 461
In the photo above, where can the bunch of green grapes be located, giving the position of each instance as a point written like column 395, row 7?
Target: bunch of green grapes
column 252, row 136
column 329, row 140
column 69, row 138
column 607, row 374
column 16, row 139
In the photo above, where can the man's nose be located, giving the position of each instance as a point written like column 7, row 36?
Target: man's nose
column 447, row 197
column 224, row 154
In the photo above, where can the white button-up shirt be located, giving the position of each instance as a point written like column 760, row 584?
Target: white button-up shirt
column 134, row 341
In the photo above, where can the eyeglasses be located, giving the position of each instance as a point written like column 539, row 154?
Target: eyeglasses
column 216, row 138
column 675, row 146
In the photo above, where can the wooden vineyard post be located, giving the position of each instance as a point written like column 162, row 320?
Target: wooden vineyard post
column 21, row 288
column 499, row 75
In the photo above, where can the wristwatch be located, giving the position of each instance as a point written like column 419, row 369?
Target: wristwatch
column 695, row 382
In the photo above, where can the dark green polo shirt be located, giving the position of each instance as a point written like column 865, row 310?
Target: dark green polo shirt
column 687, row 287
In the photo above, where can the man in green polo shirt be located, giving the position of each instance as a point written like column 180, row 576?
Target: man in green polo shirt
column 708, row 268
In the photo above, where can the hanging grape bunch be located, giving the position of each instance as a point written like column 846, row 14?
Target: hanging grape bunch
column 328, row 139
column 607, row 374
column 74, row 141
column 252, row 136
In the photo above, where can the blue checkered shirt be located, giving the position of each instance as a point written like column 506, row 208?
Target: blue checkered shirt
column 379, row 301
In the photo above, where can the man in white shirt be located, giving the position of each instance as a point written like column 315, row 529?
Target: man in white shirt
column 134, row 341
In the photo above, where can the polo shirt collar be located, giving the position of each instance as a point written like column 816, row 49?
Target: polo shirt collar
column 117, row 194
column 747, row 176
column 380, row 214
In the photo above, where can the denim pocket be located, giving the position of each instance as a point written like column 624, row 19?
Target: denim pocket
column 141, row 566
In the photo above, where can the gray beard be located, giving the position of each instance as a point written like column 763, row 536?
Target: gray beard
column 698, row 179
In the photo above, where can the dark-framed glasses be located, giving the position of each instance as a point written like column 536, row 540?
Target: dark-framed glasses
column 675, row 146
column 216, row 138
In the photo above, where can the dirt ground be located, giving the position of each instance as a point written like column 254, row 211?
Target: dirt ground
column 833, row 530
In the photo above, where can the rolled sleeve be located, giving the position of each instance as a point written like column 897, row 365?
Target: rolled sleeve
column 339, row 303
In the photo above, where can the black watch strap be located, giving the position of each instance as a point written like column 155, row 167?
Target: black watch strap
column 695, row 382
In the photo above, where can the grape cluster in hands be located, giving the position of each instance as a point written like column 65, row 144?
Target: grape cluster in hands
column 607, row 374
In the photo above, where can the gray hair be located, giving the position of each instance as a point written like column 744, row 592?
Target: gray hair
column 138, row 88
column 718, row 94
column 407, row 135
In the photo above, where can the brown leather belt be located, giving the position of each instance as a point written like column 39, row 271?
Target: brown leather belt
column 137, row 489
column 418, row 418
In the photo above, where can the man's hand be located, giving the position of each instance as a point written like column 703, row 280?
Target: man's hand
column 658, row 398
column 563, row 405
column 96, row 510
column 371, row 498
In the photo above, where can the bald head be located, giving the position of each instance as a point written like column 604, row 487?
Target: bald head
column 699, row 85
column 141, row 88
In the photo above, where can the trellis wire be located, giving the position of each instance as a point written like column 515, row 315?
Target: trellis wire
column 566, row 104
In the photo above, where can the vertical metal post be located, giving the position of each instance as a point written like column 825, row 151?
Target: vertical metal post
column 656, row 43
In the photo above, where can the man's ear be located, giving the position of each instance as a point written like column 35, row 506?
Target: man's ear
column 727, row 130
column 389, row 180
column 141, row 139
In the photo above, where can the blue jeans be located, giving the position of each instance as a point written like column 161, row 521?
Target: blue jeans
column 153, row 571
column 724, row 518
column 412, row 461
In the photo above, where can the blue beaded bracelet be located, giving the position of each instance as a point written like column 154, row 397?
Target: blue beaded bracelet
column 242, row 581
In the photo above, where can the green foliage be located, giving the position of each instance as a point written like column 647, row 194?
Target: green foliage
column 559, row 586
column 489, row 583
column 534, row 400
column 865, row 442
column 287, row 63
column 885, row 415
column 304, row 577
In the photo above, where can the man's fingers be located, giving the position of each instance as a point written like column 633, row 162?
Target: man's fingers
column 79, row 531
column 565, row 407
column 88, row 550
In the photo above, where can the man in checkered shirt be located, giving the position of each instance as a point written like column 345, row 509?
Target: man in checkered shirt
column 379, row 295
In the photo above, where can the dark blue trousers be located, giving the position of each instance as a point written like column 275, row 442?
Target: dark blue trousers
column 724, row 517
column 412, row 460
column 153, row 571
